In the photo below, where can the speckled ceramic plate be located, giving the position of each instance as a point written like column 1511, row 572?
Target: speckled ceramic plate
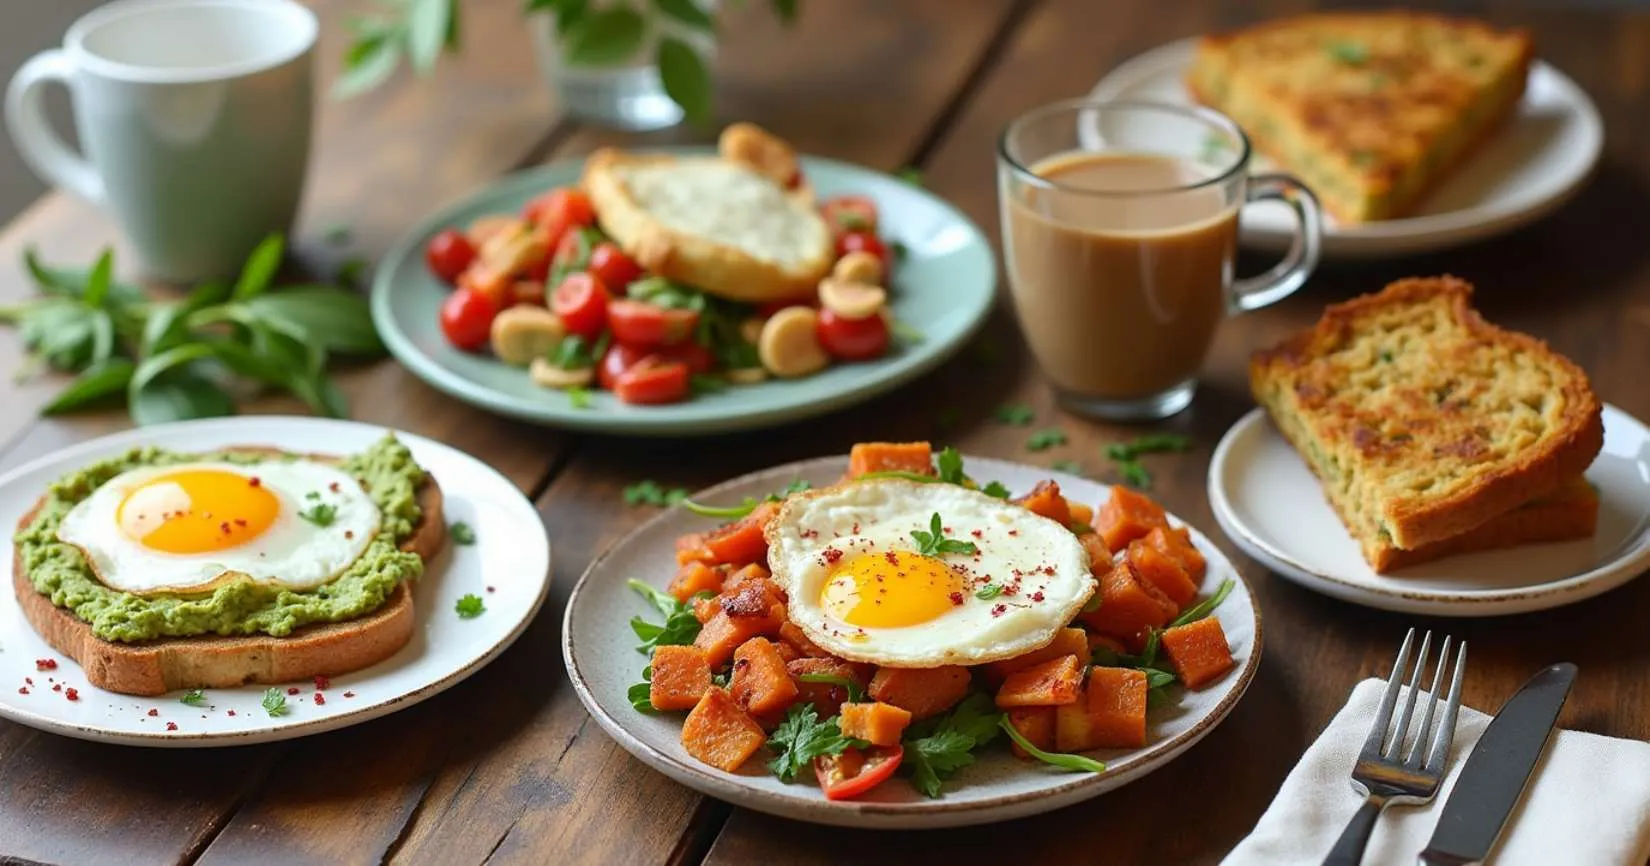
column 1272, row 506
column 508, row 566
column 603, row 663
column 943, row 287
column 1531, row 166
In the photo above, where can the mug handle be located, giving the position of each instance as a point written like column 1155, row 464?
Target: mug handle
column 1283, row 278
column 36, row 141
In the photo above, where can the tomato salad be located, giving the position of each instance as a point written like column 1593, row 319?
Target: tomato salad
column 752, row 681
column 546, row 290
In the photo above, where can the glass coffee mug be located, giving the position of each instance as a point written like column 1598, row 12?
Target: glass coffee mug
column 1120, row 227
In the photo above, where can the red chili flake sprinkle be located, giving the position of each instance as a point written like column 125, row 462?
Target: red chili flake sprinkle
column 349, row 694
column 28, row 681
column 998, row 610
column 1014, row 532
column 322, row 683
column 489, row 589
column 232, row 712
column 255, row 481
column 292, row 690
column 45, row 664
column 22, row 690
column 832, row 555
column 333, row 487
column 893, row 558
column 58, row 687
column 978, row 533
column 153, row 712
column 349, row 533
column 1011, row 589
column 1037, row 596
column 956, row 598
column 1048, row 570
column 224, row 527
column 240, row 521
column 855, row 528
column 320, row 699
column 810, row 533
column 946, row 530
column 171, row 726
column 72, row 694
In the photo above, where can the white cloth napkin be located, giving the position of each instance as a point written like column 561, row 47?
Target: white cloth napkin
column 1587, row 803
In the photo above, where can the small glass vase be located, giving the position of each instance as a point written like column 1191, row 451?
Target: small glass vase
column 628, row 97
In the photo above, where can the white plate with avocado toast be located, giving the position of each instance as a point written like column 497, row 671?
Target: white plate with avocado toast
column 474, row 597
column 1525, row 168
column 1271, row 505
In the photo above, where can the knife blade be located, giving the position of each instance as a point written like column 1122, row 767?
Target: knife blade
column 1494, row 775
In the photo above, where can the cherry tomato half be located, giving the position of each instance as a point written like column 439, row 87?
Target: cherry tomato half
column 582, row 303
column 850, row 213
column 466, row 319
column 854, row 772
column 616, row 269
column 852, row 339
column 618, row 359
column 862, row 242
column 641, row 324
column 653, row 380
column 557, row 211
column 448, row 254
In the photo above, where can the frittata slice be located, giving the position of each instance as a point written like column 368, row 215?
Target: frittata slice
column 1371, row 110
column 1422, row 420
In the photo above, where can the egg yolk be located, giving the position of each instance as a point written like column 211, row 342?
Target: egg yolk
column 197, row 511
column 889, row 590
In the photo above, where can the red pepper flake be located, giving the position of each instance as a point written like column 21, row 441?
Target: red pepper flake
column 322, row 683
column 1014, row 532
column 45, row 664
column 349, row 533
column 171, row 726
column 956, row 598
column 232, row 712
column 22, row 690
column 349, row 694
column 1048, row 570
column 998, row 610
column 810, row 533
column 28, row 681
column 855, row 528
column 255, row 481
column 240, row 521
column 1037, row 596
column 224, row 527
column 58, row 687
column 893, row 558
column 489, row 589
column 320, row 699
column 832, row 555
column 153, row 712
column 292, row 690
column 72, row 694
column 333, row 487
column 978, row 533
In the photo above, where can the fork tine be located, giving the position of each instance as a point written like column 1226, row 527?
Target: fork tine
column 1413, row 759
column 1396, row 747
column 1377, row 731
column 1446, row 727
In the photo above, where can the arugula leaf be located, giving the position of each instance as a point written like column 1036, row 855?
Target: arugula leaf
column 641, row 694
column 801, row 737
column 1205, row 607
column 469, row 606
column 1014, row 414
column 648, row 492
column 855, row 693
column 193, row 698
column 747, row 505
column 680, row 625
column 274, row 702
column 1044, row 439
column 462, row 533
column 1076, row 763
column 933, row 751
column 995, row 489
column 934, row 542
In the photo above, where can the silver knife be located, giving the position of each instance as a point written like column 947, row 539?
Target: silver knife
column 1496, row 772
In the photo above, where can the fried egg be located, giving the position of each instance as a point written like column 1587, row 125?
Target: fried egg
column 189, row 527
column 861, row 586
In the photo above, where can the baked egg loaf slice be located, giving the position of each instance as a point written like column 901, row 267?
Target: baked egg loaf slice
column 1370, row 109
column 1422, row 420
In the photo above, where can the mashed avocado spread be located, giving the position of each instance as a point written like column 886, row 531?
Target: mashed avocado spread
column 386, row 471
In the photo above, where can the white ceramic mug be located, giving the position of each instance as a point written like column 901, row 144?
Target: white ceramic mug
column 195, row 120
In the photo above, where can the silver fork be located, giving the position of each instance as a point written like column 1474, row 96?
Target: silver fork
column 1381, row 774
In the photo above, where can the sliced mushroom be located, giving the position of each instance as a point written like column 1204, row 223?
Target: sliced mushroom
column 525, row 333
column 746, row 375
column 512, row 250
column 547, row 375
column 859, row 266
column 851, row 300
column 789, row 347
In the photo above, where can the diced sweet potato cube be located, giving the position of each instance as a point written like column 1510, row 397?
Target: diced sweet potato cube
column 743, row 540
column 705, row 608
column 1048, row 684
column 1067, row 642
column 722, row 634
column 924, row 691
column 1081, row 515
column 826, row 698
column 751, row 597
column 1099, row 554
column 1097, row 640
column 876, row 722
column 1128, row 515
column 868, row 457
column 1045, row 500
column 1177, row 544
column 1036, row 724
column 691, row 548
column 748, row 572
column 693, row 578
column 1128, row 605
column 680, row 677
column 792, row 634
column 761, row 683
column 1157, row 568
column 721, row 734
column 1110, row 715
column 786, row 651
column 1198, row 651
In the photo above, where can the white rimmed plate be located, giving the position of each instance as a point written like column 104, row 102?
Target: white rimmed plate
column 508, row 566
column 1527, row 168
column 603, row 663
column 1271, row 505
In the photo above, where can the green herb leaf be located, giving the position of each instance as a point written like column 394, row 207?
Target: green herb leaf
column 704, row 383
column 934, row 542
column 332, row 318
column 801, row 737
column 105, row 379
column 991, row 591
column 462, row 533
column 573, row 353
column 72, row 283
column 995, row 489
column 179, row 395
column 369, row 63
column 1076, row 763
column 578, row 397
column 686, row 12
column 274, row 702
column 1014, row 414
column 905, row 333
column 1042, row 440
column 428, row 25
column 1134, row 474
column 320, row 514
column 727, row 512
column 933, row 751
column 260, row 268
column 640, row 696
column 785, row 11
column 1148, row 444
column 852, row 689
column 918, row 477
column 469, row 606
column 352, row 272
column 603, row 37
column 1205, row 607
column 193, row 698
column 685, row 78
column 680, row 626
column 97, row 282
column 950, row 465
column 648, row 492
column 911, row 175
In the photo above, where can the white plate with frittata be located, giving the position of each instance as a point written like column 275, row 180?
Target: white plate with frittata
column 1530, row 166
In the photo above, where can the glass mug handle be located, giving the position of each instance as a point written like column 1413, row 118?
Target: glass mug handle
column 1286, row 276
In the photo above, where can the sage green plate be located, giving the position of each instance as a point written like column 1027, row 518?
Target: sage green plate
column 943, row 288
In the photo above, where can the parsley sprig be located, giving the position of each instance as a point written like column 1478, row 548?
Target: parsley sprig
column 470, row 606
column 1014, row 414
column 937, row 748
column 1044, row 439
column 801, row 737
column 1127, row 455
column 934, row 543
column 680, row 625
column 648, row 492
column 193, row 698
column 462, row 533
column 274, row 702
column 320, row 514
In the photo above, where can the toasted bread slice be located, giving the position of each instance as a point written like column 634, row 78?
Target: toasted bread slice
column 712, row 223
column 1569, row 513
column 158, row 666
column 1422, row 420
column 1370, row 109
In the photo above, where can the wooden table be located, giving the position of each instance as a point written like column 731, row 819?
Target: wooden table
column 506, row 766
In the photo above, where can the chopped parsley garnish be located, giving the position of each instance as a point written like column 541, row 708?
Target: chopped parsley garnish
column 578, row 397
column 802, row 737
column 1134, row 474
column 995, row 489
column 1350, row 53
column 1044, row 439
column 650, row 493
column 851, row 688
column 274, row 702
column 1071, row 466
column 470, row 606
column 680, row 626
column 193, row 698
column 934, row 542
column 1126, row 455
column 991, row 591
column 721, row 680
column 462, row 533
column 911, row 175
column 937, row 748
column 1063, row 760
column 949, row 463
column 641, row 694
column 1014, row 414
column 320, row 514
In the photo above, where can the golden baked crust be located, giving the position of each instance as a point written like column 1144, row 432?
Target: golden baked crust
column 1568, row 513
column 158, row 666
column 639, row 201
column 1370, row 109
column 1422, row 420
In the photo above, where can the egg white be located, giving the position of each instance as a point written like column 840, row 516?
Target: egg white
column 879, row 515
column 292, row 553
